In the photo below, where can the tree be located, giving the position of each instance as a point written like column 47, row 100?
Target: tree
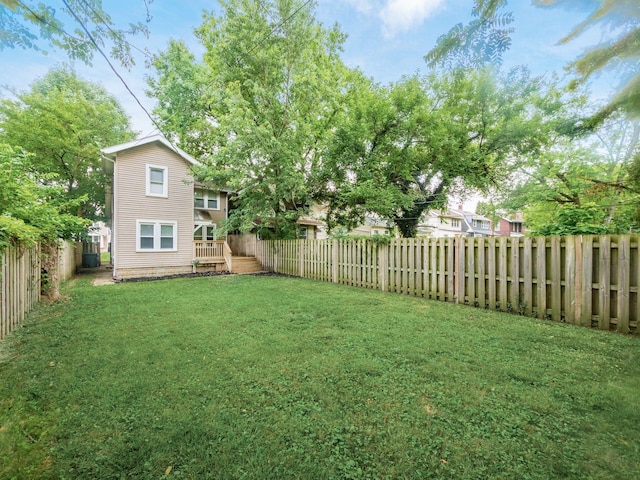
column 403, row 149
column 579, row 187
column 26, row 24
column 484, row 34
column 261, row 105
column 64, row 121
column 31, row 212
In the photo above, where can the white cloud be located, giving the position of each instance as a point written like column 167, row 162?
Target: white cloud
column 361, row 6
column 402, row 15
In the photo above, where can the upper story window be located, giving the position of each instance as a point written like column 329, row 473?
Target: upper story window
column 453, row 222
column 484, row 224
column 157, row 181
column 206, row 199
column 516, row 227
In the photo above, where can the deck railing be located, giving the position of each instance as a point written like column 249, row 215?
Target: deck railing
column 208, row 249
column 212, row 250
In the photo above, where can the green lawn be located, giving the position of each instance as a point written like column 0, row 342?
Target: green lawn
column 272, row 377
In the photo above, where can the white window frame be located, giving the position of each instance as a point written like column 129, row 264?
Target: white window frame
column 204, row 225
column 165, row 184
column 207, row 195
column 157, row 228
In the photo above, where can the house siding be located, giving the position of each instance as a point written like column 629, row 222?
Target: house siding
column 132, row 204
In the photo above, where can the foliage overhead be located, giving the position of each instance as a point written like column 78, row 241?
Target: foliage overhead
column 486, row 38
column 259, row 107
column 64, row 121
column 31, row 212
column 28, row 25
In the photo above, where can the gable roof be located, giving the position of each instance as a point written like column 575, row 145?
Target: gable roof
column 113, row 150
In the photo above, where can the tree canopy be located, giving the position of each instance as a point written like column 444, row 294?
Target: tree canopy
column 64, row 121
column 30, row 211
column 259, row 108
column 405, row 148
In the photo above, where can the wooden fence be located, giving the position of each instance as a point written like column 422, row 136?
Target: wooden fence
column 585, row 280
column 20, row 281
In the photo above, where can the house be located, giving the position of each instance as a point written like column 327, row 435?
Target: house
column 511, row 226
column 455, row 223
column 162, row 221
column 373, row 226
column 100, row 235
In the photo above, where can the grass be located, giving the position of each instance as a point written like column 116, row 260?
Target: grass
column 272, row 377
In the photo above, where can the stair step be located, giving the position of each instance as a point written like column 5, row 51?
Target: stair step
column 245, row 265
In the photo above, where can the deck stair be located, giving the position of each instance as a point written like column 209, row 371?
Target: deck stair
column 245, row 265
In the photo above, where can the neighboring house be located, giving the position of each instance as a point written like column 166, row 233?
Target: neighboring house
column 455, row 223
column 162, row 222
column 511, row 226
column 373, row 226
column 100, row 234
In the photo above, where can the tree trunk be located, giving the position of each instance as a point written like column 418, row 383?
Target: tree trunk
column 49, row 271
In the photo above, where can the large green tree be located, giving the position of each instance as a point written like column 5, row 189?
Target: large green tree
column 79, row 28
column 64, row 121
column 259, row 108
column 403, row 149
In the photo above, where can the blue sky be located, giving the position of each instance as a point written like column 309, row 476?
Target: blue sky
column 386, row 39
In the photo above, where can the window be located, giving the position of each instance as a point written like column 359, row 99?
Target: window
column 157, row 184
column 302, row 233
column 157, row 236
column 204, row 231
column 206, row 199
column 484, row 224
column 453, row 222
column 516, row 227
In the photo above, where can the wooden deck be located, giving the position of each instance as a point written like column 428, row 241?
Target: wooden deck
column 217, row 252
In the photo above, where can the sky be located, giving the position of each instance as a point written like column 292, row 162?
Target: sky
column 386, row 39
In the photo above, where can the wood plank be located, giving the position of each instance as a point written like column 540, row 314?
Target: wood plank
column 503, row 273
column 570, row 289
column 384, row 267
column 556, row 285
column 515, row 274
column 482, row 296
column 541, row 276
column 471, row 271
column 434, row 269
column 491, row 267
column 441, row 270
column 604, row 292
column 412, row 267
column 460, row 270
column 451, row 284
column 527, row 275
column 624, row 271
column 335, row 260
column 586, row 252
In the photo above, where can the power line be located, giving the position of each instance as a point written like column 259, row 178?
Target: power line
column 97, row 14
column 113, row 69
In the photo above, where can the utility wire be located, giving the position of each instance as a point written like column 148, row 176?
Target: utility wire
column 113, row 69
column 97, row 14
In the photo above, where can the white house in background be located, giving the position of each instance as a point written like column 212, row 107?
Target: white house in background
column 162, row 222
column 455, row 223
column 100, row 234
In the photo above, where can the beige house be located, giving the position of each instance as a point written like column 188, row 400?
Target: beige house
column 162, row 222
